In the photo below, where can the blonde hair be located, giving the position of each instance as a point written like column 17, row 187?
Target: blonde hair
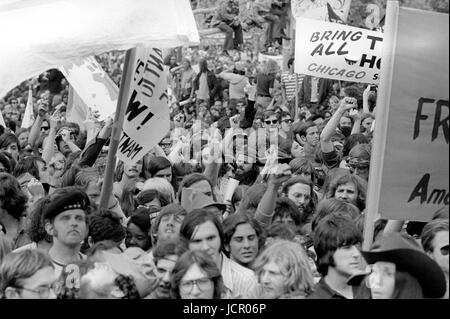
column 293, row 261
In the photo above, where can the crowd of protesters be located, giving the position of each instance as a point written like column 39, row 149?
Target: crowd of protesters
column 299, row 146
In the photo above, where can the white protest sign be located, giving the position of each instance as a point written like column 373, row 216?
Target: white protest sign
column 92, row 85
column 336, row 51
column 147, row 118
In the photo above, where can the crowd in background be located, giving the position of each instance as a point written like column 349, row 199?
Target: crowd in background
column 299, row 146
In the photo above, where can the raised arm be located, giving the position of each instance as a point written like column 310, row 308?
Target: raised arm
column 330, row 129
column 266, row 208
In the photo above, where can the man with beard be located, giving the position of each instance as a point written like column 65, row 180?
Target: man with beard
column 167, row 225
column 65, row 218
column 301, row 192
column 165, row 256
column 337, row 244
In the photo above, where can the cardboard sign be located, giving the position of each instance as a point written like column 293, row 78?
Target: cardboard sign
column 411, row 151
column 147, row 118
column 336, row 51
column 92, row 85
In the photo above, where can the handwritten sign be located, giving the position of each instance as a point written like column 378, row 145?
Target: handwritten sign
column 147, row 118
column 336, row 51
column 414, row 179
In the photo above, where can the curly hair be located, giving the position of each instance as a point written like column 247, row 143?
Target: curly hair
column 293, row 261
column 106, row 225
column 12, row 199
column 36, row 228
column 204, row 262
column 360, row 185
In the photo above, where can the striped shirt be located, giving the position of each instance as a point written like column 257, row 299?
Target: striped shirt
column 288, row 83
column 239, row 282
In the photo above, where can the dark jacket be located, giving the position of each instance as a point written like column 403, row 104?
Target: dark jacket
column 325, row 91
column 213, row 84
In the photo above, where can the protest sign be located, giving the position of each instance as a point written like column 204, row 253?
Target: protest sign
column 92, row 85
column 81, row 28
column 336, row 51
column 147, row 118
column 410, row 160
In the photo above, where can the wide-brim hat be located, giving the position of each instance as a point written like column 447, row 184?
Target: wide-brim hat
column 191, row 199
column 407, row 255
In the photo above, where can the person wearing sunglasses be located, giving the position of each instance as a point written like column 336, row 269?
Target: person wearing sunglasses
column 272, row 120
column 434, row 241
column 28, row 274
column 286, row 123
column 196, row 276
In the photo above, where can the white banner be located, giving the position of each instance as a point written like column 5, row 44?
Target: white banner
column 336, row 51
column 147, row 118
column 92, row 85
column 40, row 35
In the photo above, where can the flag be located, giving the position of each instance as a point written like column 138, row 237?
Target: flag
column 76, row 110
column 93, row 86
column 81, row 28
column 28, row 117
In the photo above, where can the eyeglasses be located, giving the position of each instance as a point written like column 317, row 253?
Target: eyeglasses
column 444, row 250
column 273, row 122
column 202, row 284
column 44, row 291
column 45, row 128
column 355, row 164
